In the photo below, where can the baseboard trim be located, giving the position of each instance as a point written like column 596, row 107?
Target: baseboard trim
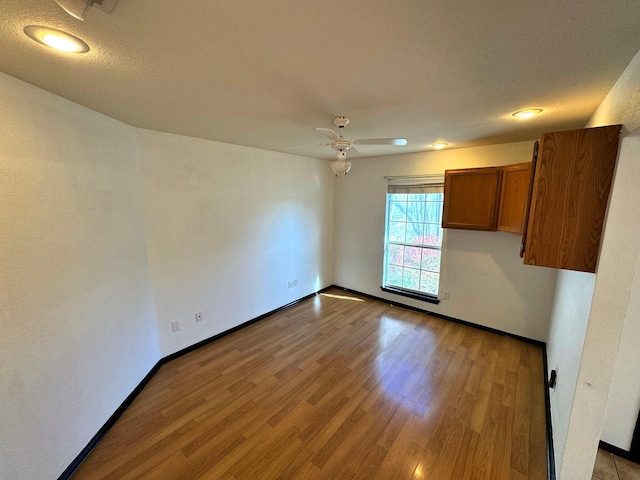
column 615, row 450
column 445, row 317
column 93, row 443
column 551, row 456
column 206, row 341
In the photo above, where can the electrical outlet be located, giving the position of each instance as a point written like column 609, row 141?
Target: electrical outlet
column 198, row 316
column 175, row 326
column 295, row 282
column 445, row 295
column 290, row 285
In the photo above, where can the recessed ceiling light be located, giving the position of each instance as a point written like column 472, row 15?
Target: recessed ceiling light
column 528, row 113
column 440, row 145
column 56, row 39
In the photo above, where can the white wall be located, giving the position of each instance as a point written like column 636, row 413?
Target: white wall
column 228, row 228
column 613, row 297
column 76, row 307
column 623, row 105
column 569, row 318
column 487, row 281
column 624, row 395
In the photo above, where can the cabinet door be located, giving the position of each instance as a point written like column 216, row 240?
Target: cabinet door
column 572, row 181
column 513, row 197
column 471, row 198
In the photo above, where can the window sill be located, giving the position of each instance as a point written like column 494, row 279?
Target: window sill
column 415, row 296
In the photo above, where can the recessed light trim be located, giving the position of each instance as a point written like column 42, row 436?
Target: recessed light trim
column 56, row 39
column 527, row 113
column 440, row 145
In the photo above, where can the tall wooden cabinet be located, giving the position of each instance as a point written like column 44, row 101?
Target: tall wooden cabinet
column 570, row 190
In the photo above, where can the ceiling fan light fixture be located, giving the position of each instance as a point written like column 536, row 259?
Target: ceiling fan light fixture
column 439, row 145
column 527, row 113
column 56, row 39
column 341, row 165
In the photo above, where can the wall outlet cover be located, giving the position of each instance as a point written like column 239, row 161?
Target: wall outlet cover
column 198, row 316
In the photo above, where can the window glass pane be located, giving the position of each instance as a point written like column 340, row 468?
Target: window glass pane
column 429, row 283
column 432, row 235
column 397, row 231
column 430, row 260
column 398, row 211
column 413, row 222
column 395, row 255
column 412, row 257
column 434, row 197
column 433, row 212
column 414, row 233
column 415, row 211
column 411, row 278
column 400, row 197
column 394, row 276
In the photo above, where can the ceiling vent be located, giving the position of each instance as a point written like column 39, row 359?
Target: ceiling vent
column 78, row 8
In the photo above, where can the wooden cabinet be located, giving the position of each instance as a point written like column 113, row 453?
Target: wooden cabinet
column 570, row 190
column 513, row 197
column 491, row 198
column 471, row 198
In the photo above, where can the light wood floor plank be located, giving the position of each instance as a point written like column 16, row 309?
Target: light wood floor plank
column 337, row 387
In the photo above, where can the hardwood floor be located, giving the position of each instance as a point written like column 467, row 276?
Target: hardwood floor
column 337, row 387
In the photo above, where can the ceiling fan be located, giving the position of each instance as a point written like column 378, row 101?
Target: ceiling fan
column 341, row 165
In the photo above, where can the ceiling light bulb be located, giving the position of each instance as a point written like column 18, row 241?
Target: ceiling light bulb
column 440, row 145
column 60, row 43
column 528, row 113
column 56, row 39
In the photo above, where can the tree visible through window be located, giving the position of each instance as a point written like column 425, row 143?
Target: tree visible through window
column 413, row 238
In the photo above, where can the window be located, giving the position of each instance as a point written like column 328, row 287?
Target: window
column 413, row 239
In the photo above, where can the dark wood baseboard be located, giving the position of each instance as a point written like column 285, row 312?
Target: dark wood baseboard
column 93, row 443
column 551, row 456
column 607, row 447
column 206, row 341
column 445, row 317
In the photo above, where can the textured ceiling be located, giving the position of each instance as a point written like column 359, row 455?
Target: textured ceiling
column 264, row 73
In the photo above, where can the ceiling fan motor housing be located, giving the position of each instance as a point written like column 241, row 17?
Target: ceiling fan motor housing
column 341, row 145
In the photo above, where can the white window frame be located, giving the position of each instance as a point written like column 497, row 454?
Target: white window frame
column 412, row 184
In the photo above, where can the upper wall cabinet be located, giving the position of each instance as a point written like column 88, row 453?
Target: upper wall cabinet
column 513, row 197
column 471, row 198
column 570, row 190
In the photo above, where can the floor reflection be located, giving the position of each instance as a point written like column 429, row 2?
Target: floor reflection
column 341, row 297
column 405, row 363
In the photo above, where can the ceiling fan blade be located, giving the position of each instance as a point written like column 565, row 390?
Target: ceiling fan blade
column 309, row 146
column 327, row 132
column 354, row 149
column 381, row 141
